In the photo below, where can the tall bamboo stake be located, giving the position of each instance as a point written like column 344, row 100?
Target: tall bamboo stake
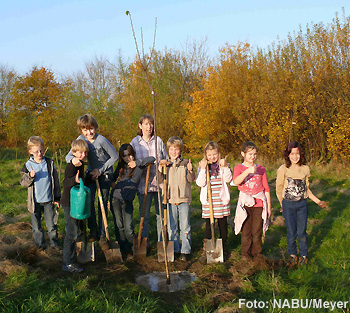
column 144, row 66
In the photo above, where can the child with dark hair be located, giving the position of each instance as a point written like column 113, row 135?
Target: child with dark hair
column 292, row 189
column 127, row 174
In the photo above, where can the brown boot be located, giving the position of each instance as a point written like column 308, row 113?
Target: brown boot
column 293, row 261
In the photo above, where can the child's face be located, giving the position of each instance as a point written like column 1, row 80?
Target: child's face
column 249, row 156
column 127, row 157
column 174, row 152
column 212, row 155
column 294, row 156
column 146, row 127
column 37, row 152
column 81, row 155
column 89, row 133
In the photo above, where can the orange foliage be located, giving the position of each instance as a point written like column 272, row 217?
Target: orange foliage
column 297, row 89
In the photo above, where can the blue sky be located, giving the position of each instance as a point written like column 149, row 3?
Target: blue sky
column 64, row 34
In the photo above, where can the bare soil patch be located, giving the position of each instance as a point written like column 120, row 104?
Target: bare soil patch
column 218, row 284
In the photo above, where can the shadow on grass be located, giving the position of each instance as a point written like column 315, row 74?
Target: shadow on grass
column 323, row 219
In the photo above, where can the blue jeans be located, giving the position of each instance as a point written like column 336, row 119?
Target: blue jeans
column 105, row 185
column 180, row 214
column 150, row 197
column 295, row 214
column 123, row 225
column 48, row 209
column 71, row 228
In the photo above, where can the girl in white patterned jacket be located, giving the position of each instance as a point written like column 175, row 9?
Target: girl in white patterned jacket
column 220, row 174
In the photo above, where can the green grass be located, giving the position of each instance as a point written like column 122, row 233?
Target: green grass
column 34, row 283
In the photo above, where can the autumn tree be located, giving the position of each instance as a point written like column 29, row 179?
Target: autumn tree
column 36, row 102
column 173, row 76
column 96, row 90
column 297, row 89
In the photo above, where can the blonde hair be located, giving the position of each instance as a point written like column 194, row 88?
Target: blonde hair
column 35, row 141
column 212, row 145
column 87, row 121
column 175, row 141
column 80, row 145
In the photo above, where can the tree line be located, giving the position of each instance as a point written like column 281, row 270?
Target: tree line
column 296, row 89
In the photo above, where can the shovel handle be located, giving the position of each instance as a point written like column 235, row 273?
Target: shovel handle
column 165, row 225
column 165, row 197
column 165, row 184
column 210, row 200
column 144, row 202
column 104, row 217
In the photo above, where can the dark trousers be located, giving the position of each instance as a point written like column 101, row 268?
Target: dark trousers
column 251, row 244
column 222, row 224
column 124, row 228
column 71, row 228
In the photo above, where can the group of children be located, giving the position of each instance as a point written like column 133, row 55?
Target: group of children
column 129, row 178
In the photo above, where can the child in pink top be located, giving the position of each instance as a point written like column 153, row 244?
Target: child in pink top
column 254, row 202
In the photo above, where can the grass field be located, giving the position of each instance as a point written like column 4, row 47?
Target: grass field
column 32, row 280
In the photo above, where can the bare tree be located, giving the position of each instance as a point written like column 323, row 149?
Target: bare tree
column 7, row 79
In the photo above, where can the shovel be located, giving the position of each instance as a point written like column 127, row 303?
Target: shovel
column 140, row 243
column 110, row 249
column 168, row 244
column 212, row 246
column 85, row 250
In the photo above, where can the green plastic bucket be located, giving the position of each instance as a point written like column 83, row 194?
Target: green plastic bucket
column 80, row 201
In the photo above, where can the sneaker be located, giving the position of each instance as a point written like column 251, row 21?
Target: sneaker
column 293, row 261
column 303, row 260
column 71, row 268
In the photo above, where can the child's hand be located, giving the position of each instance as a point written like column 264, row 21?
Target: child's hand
column 251, row 169
column 76, row 162
column 77, row 178
column 132, row 164
column 95, row 174
column 223, row 162
column 203, row 163
column 189, row 166
column 323, row 204
column 163, row 162
column 32, row 172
